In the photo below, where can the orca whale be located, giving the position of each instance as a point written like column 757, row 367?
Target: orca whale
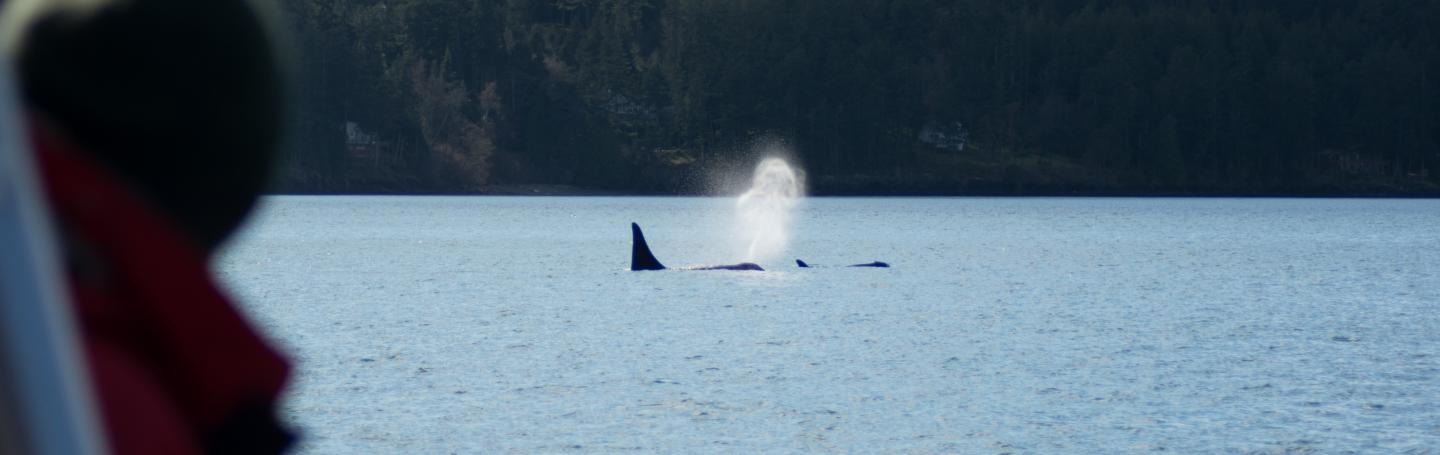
column 642, row 259
column 878, row 264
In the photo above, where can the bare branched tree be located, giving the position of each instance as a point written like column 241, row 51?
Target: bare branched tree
column 460, row 146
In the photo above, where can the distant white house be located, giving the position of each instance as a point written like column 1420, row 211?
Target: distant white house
column 363, row 147
column 951, row 136
column 356, row 137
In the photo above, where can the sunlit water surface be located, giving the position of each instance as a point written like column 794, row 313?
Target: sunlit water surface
column 487, row 324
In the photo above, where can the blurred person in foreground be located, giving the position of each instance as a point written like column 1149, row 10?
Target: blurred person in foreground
column 154, row 124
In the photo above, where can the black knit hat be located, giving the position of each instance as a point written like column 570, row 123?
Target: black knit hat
column 181, row 98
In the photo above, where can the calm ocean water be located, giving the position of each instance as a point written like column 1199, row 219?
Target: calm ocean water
column 492, row 324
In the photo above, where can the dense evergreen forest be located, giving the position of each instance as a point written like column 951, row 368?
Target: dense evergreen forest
column 871, row 96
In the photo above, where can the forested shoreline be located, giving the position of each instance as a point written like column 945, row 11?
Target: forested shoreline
column 1114, row 97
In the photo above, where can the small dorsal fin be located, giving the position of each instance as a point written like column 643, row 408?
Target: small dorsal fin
column 640, row 256
column 801, row 263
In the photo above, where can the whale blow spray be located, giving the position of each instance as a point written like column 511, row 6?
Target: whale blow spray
column 764, row 211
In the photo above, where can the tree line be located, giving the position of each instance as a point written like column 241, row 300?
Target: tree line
column 871, row 96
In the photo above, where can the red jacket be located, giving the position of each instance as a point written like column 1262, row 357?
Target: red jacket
column 175, row 368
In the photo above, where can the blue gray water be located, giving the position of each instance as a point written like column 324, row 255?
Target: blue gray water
column 489, row 324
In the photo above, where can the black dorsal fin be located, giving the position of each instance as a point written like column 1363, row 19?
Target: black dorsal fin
column 801, row 263
column 640, row 256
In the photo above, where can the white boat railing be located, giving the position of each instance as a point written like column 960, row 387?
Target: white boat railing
column 46, row 403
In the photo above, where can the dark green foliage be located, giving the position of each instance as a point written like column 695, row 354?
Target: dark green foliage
column 1125, row 96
